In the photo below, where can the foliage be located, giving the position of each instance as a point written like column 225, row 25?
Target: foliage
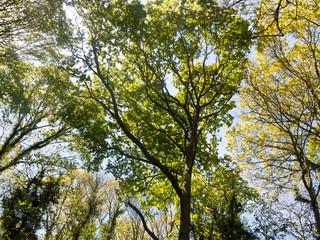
column 88, row 208
column 24, row 207
column 161, row 222
column 146, row 87
column 223, row 198
column 32, row 28
column 31, row 93
column 156, row 136
column 29, row 104
column 131, row 229
column 278, row 140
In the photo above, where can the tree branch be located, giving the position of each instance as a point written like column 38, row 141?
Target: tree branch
column 144, row 223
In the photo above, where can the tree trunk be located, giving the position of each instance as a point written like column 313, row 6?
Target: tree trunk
column 312, row 194
column 185, row 198
column 316, row 213
column 315, row 209
column 185, row 205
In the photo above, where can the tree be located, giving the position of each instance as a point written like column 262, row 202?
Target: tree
column 24, row 207
column 131, row 228
column 88, row 208
column 280, row 216
column 30, row 103
column 27, row 26
column 30, row 98
column 157, row 135
column 224, row 198
column 161, row 222
column 280, row 136
column 91, row 206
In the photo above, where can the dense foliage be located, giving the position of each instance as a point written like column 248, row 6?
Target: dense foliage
column 139, row 92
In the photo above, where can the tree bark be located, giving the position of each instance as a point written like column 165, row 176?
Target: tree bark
column 313, row 202
column 185, row 199
column 185, row 205
column 315, row 209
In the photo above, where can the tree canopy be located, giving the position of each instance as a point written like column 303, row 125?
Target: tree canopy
column 280, row 135
column 162, row 76
column 139, row 91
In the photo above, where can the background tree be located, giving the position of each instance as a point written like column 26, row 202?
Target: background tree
column 159, row 135
column 88, row 208
column 32, row 27
column 30, row 97
column 161, row 222
column 24, row 206
column 225, row 197
column 131, row 228
column 280, row 136
column 29, row 104
column 282, row 217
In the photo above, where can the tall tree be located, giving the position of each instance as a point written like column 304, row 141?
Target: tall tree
column 159, row 79
column 280, row 136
